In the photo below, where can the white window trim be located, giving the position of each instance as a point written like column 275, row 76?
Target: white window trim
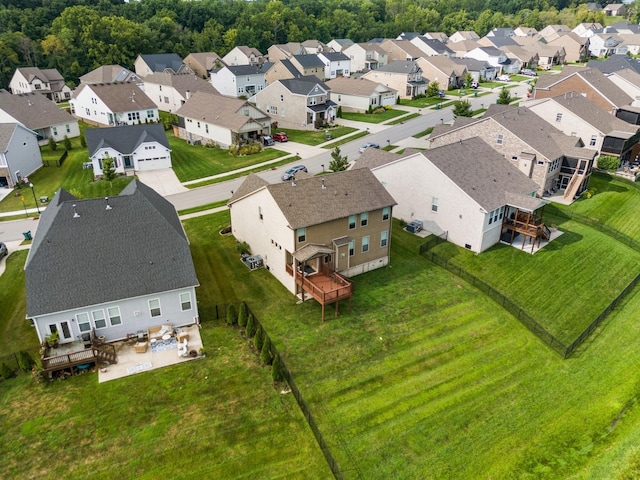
column 182, row 302
column 111, row 317
column 151, row 309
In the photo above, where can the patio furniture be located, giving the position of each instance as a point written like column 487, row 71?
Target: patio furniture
column 160, row 331
column 182, row 348
column 141, row 347
column 182, row 336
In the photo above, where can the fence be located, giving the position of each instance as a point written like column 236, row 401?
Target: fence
column 58, row 162
column 515, row 310
column 11, row 359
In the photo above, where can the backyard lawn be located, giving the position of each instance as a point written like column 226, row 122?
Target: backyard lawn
column 316, row 137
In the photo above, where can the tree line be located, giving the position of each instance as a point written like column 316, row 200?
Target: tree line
column 76, row 36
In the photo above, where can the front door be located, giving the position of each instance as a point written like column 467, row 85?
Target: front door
column 64, row 329
column 128, row 161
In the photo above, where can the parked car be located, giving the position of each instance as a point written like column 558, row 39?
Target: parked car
column 528, row 72
column 280, row 137
column 504, row 78
column 368, row 145
column 474, row 84
column 3, row 250
column 442, row 93
column 291, row 173
column 267, row 140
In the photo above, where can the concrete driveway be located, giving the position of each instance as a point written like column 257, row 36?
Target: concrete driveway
column 163, row 181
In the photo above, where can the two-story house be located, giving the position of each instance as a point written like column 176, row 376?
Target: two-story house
column 444, row 70
column 300, row 103
column 496, row 58
column 217, row 119
column 110, row 74
column 359, row 94
column 403, row 76
column 46, row 81
column 160, row 62
column 203, row 62
column 314, row 232
column 132, row 148
column 432, row 47
column 239, row 80
column 243, row 55
column 553, row 160
column 309, row 64
column 366, row 56
column 38, row 114
column 112, row 104
column 19, row 153
column 336, row 64
column 170, row 91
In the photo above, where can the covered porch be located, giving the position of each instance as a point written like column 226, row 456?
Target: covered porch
column 314, row 275
column 523, row 222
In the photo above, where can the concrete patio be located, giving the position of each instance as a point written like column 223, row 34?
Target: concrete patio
column 131, row 362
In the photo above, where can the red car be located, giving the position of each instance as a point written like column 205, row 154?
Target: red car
column 280, row 137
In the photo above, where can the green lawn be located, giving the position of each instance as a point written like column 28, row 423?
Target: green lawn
column 342, row 141
column 191, row 162
column 403, row 119
column 316, row 137
column 423, row 133
column 421, row 102
column 374, row 117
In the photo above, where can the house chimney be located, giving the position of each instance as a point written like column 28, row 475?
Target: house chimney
column 324, row 187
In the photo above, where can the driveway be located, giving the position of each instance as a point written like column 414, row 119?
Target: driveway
column 163, row 181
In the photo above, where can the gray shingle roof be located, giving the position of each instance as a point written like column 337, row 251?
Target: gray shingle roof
column 125, row 139
column 334, row 56
column 158, row 62
column 374, row 157
column 346, row 193
column 309, row 61
column 136, row 248
column 355, row 86
column 6, row 132
column 33, row 110
column 119, row 97
column 108, row 74
column 182, row 82
column 49, row 75
column 436, row 45
column 481, row 172
column 303, row 85
column 249, row 69
column 400, row 66
column 615, row 63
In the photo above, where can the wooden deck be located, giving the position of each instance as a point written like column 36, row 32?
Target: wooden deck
column 326, row 289
column 52, row 363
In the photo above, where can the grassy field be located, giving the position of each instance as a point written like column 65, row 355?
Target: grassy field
column 374, row 117
column 421, row 102
column 193, row 162
column 316, row 137
column 342, row 141
column 403, row 119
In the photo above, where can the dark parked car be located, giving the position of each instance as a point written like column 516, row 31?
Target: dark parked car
column 280, row 137
column 289, row 174
column 3, row 250
column 442, row 93
column 267, row 140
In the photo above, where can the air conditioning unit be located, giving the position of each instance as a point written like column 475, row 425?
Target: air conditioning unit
column 253, row 262
column 414, row 227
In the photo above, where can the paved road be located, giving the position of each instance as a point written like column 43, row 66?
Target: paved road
column 393, row 134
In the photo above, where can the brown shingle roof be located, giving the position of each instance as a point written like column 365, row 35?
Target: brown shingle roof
column 33, row 110
column 119, row 97
column 216, row 110
column 374, row 157
column 182, row 82
column 354, row 86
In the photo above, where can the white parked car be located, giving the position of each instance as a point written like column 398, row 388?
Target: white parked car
column 504, row 78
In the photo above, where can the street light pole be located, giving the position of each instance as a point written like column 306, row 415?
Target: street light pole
column 34, row 197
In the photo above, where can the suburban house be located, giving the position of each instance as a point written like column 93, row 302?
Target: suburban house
column 313, row 47
column 553, row 30
column 496, row 58
column 280, row 70
column 243, row 55
column 309, row 64
column 615, row 10
column 432, row 47
column 462, row 47
column 38, row 114
column 170, row 91
column 548, row 54
column 366, row 56
column 543, row 153
column 239, row 80
column 47, row 82
column 299, row 103
column 125, row 261
column 525, row 32
column 111, row 104
column 312, row 233
column 216, row 119
column 284, row 51
column 576, row 48
column 203, row 62
column 405, row 76
column 160, row 62
column 461, row 35
column 629, row 81
column 497, row 42
column 590, row 82
column 478, row 69
column 577, row 116
column 402, row 50
column 440, row 36
column 528, row 59
column 132, row 148
column 110, row 74
column 604, row 44
column 631, row 42
column 504, row 32
column 19, row 153
column 465, row 191
column 587, row 29
column 615, row 63
column 359, row 94
column 444, row 70
column 338, row 44
column 336, row 64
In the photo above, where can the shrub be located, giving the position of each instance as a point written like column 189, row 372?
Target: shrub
column 6, row 371
column 250, row 330
column 265, row 353
column 607, row 162
column 242, row 315
column 276, row 370
column 25, row 362
column 37, row 373
column 339, row 114
column 243, row 247
column 232, row 316
column 53, row 146
column 67, row 143
column 83, row 141
column 258, row 340
column 379, row 110
column 388, row 107
column 504, row 98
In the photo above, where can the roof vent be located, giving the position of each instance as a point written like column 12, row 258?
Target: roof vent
column 108, row 207
column 75, row 214
column 293, row 183
column 324, row 187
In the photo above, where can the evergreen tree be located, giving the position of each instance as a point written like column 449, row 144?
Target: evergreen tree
column 53, row 146
column 232, row 316
column 339, row 163
column 265, row 353
column 504, row 98
column 462, row 108
column 250, row 330
column 276, row 370
column 67, row 143
column 83, row 141
column 242, row 315
column 108, row 169
column 258, row 340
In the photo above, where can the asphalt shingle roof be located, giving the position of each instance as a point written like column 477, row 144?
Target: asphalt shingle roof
column 119, row 97
column 126, row 138
column 136, row 248
column 108, row 74
column 216, row 110
column 355, row 86
column 309, row 61
column 157, row 62
column 303, row 85
column 615, row 63
column 6, row 132
column 182, row 82
column 33, row 110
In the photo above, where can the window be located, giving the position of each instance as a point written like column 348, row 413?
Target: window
column 55, row 131
column 83, row 322
column 206, row 127
column 594, row 139
column 198, row 124
column 434, row 204
column 384, row 238
column 166, row 99
column 67, row 128
column 558, row 117
column 500, row 139
column 386, row 212
column 352, row 248
column 87, row 111
column 364, row 219
column 154, row 307
column 133, row 116
column 185, row 301
column 365, row 244
column 352, row 222
column 302, row 234
column 99, row 319
column 114, row 316
column 260, row 216
column 553, row 165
